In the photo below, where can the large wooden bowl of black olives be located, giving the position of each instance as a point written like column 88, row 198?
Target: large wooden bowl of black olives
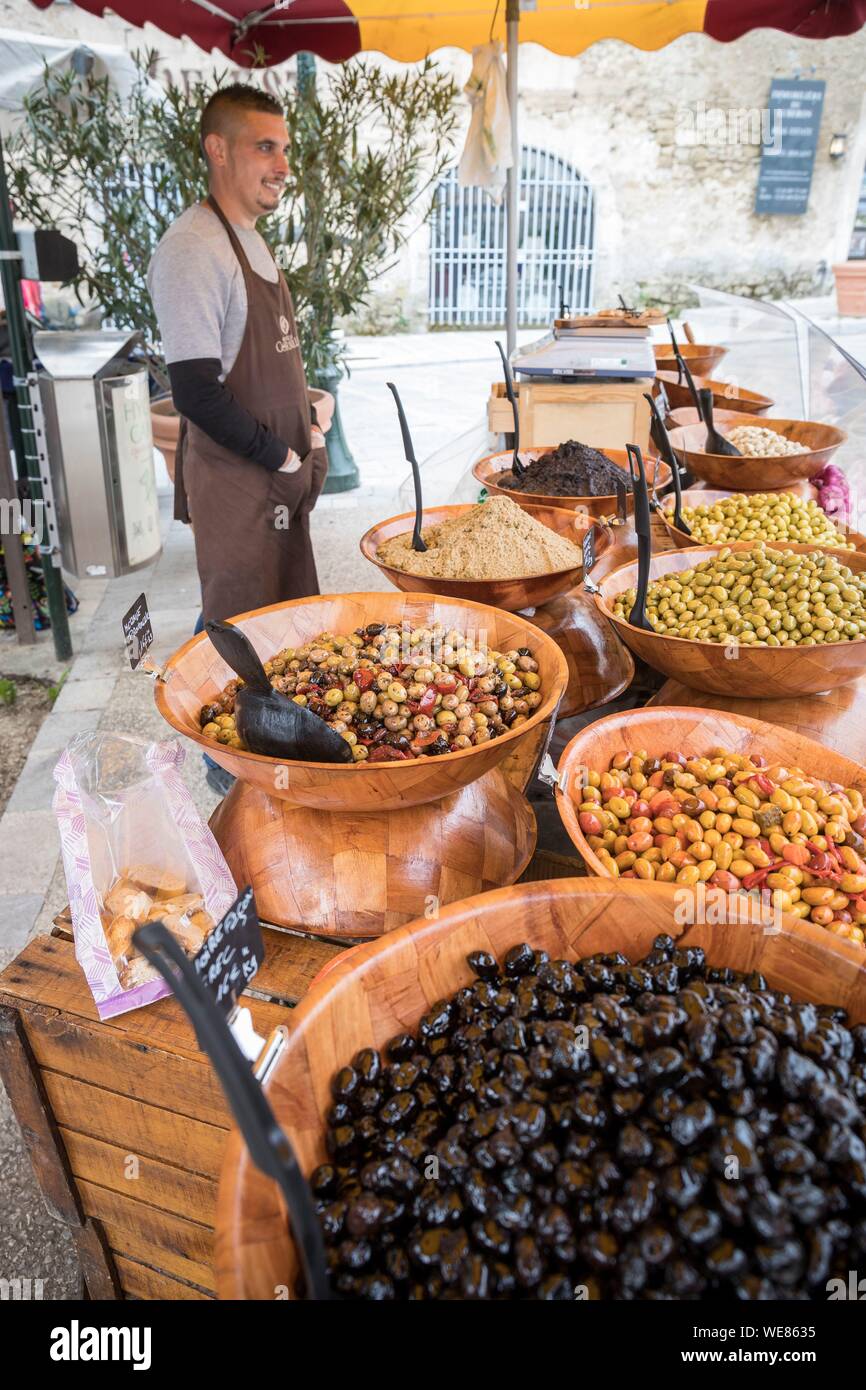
column 564, row 1090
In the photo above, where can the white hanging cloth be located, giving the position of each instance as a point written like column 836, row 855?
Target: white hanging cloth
column 487, row 153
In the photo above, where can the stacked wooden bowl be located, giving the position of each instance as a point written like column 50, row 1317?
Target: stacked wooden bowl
column 512, row 594
column 486, row 470
column 757, row 474
column 775, row 672
column 385, row 987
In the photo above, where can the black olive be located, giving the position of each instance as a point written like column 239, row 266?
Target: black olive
column 519, row 960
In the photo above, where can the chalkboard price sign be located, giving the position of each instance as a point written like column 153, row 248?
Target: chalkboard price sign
column 137, row 631
column 789, row 146
column 233, row 952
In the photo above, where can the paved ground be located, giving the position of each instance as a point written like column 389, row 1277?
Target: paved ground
column 444, row 381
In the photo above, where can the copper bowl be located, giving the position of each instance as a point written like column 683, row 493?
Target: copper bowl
column 774, row 672
column 727, row 398
column 699, row 357
column 196, row 673
column 486, row 470
column 760, row 473
column 512, row 594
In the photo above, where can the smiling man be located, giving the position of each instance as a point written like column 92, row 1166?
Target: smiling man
column 251, row 461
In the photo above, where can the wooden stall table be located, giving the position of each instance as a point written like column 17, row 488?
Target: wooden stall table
column 125, row 1121
column 834, row 718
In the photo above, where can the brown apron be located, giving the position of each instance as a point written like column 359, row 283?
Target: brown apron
column 251, row 526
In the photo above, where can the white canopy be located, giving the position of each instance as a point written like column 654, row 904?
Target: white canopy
column 22, row 63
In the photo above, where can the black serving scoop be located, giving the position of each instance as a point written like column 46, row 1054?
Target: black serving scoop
column 716, row 443
column 516, row 466
column 409, row 450
column 638, row 617
column 661, row 439
column 266, row 719
column 269, row 1147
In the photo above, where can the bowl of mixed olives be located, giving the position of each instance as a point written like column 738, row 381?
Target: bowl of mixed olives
column 426, row 693
column 688, row 797
column 559, row 1091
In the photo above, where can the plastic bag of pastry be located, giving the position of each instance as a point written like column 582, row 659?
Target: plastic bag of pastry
column 135, row 849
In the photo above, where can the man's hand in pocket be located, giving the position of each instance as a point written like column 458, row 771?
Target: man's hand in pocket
column 292, row 463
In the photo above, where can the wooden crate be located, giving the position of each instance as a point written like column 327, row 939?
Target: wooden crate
column 125, row 1121
column 610, row 414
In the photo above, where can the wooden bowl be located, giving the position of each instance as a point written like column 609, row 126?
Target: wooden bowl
column 196, row 673
column 512, row 594
column 699, row 357
column 693, row 497
column 758, row 474
column 383, row 988
column 486, row 469
column 775, row 672
column 693, row 732
column 727, row 398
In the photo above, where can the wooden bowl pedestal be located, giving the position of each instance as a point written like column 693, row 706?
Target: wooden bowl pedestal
column 600, row 666
column 345, row 874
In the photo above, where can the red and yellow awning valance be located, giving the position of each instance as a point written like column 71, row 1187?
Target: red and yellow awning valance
column 248, row 31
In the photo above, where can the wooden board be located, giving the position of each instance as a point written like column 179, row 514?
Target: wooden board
column 169, row 1243
column 598, row 413
column 140, row 1281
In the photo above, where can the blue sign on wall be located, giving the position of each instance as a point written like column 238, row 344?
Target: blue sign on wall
column 788, row 154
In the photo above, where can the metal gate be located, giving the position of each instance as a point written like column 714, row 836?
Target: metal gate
column 555, row 246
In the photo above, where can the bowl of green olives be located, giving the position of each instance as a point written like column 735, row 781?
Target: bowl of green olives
column 736, row 619
column 779, row 518
column 534, row 1093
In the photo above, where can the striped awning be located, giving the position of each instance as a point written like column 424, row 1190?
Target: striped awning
column 253, row 31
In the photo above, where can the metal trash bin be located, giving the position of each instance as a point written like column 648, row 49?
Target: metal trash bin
column 100, row 449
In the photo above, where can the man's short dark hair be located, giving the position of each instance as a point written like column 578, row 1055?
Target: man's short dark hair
column 228, row 102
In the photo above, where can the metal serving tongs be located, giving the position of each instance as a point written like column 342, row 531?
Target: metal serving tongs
column 269, row 1147
column 516, row 466
column 661, row 439
column 638, row 617
column 409, row 448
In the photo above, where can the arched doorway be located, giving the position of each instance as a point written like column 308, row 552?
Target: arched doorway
column 555, row 246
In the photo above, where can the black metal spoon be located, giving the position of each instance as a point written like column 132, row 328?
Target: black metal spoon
column 563, row 307
column 269, row 1147
column 661, row 439
column 638, row 617
column 267, row 720
column 677, row 354
column 716, row 443
column 516, row 466
column 409, row 448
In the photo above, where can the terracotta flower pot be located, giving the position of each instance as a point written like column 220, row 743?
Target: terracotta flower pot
column 166, row 426
column 851, row 287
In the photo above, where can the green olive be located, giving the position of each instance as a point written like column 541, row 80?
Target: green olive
column 760, row 596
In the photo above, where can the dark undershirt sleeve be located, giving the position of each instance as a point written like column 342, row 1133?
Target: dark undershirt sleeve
column 199, row 395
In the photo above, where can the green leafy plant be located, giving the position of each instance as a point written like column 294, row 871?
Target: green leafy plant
column 113, row 172
column 8, row 691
